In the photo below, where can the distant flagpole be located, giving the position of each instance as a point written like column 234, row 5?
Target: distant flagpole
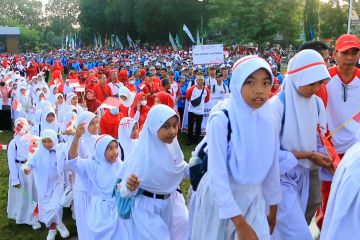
column 350, row 16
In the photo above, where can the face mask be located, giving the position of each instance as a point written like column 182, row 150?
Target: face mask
column 114, row 111
column 132, row 82
column 143, row 103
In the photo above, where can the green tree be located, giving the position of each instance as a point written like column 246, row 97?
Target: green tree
column 62, row 15
column 243, row 21
column 25, row 12
column 333, row 19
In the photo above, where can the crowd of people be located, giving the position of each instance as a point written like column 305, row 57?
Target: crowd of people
column 97, row 131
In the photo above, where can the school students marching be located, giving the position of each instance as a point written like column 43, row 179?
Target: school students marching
column 110, row 151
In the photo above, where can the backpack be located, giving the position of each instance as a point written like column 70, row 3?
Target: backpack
column 199, row 167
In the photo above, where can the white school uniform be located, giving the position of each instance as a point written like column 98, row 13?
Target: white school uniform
column 152, row 218
column 243, row 174
column 21, row 202
column 342, row 218
column 82, row 186
column 48, row 169
column 298, row 133
column 102, row 216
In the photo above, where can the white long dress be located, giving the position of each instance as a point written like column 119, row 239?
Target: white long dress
column 21, row 202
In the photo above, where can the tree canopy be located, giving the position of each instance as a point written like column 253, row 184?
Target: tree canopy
column 228, row 21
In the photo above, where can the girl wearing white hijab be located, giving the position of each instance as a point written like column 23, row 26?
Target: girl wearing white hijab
column 127, row 134
column 21, row 207
column 36, row 116
column 158, row 162
column 48, row 120
column 297, row 118
column 127, row 99
column 47, row 165
column 101, row 170
column 342, row 216
column 52, row 96
column 60, row 107
column 72, row 100
column 82, row 186
column 243, row 172
column 23, row 97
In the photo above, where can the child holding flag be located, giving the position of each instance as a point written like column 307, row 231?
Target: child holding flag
column 47, row 165
column 22, row 191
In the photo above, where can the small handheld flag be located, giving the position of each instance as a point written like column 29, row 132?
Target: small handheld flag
column 110, row 103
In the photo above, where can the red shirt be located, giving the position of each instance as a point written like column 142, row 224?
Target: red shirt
column 102, row 92
column 147, row 88
column 109, row 123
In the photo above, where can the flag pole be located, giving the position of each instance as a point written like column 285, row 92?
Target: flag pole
column 350, row 16
column 341, row 126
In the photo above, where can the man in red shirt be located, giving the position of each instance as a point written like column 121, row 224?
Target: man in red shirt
column 149, row 87
column 102, row 90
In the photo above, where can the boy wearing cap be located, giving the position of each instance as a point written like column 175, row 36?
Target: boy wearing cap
column 341, row 98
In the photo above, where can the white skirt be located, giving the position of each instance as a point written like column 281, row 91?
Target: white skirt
column 50, row 210
column 22, row 202
column 206, row 222
column 103, row 220
column 290, row 219
column 180, row 218
column 81, row 206
column 151, row 219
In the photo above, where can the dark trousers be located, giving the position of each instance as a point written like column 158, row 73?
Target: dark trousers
column 197, row 119
column 181, row 114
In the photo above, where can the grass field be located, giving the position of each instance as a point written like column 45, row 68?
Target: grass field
column 10, row 230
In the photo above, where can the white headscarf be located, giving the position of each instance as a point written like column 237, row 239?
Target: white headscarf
column 124, row 134
column 39, row 109
column 54, row 125
column 124, row 91
column 159, row 166
column 51, row 96
column 253, row 131
column 41, row 162
column 61, row 109
column 100, row 172
column 302, row 114
column 87, row 140
column 70, row 96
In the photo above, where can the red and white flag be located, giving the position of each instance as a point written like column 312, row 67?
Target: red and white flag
column 16, row 105
column 3, row 147
column 74, row 83
column 356, row 117
column 71, row 121
column 80, row 88
column 111, row 103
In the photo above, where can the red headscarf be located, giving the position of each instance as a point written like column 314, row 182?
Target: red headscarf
column 109, row 123
column 166, row 99
column 92, row 105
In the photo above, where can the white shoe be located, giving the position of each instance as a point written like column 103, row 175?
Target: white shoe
column 51, row 235
column 63, row 230
column 36, row 225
